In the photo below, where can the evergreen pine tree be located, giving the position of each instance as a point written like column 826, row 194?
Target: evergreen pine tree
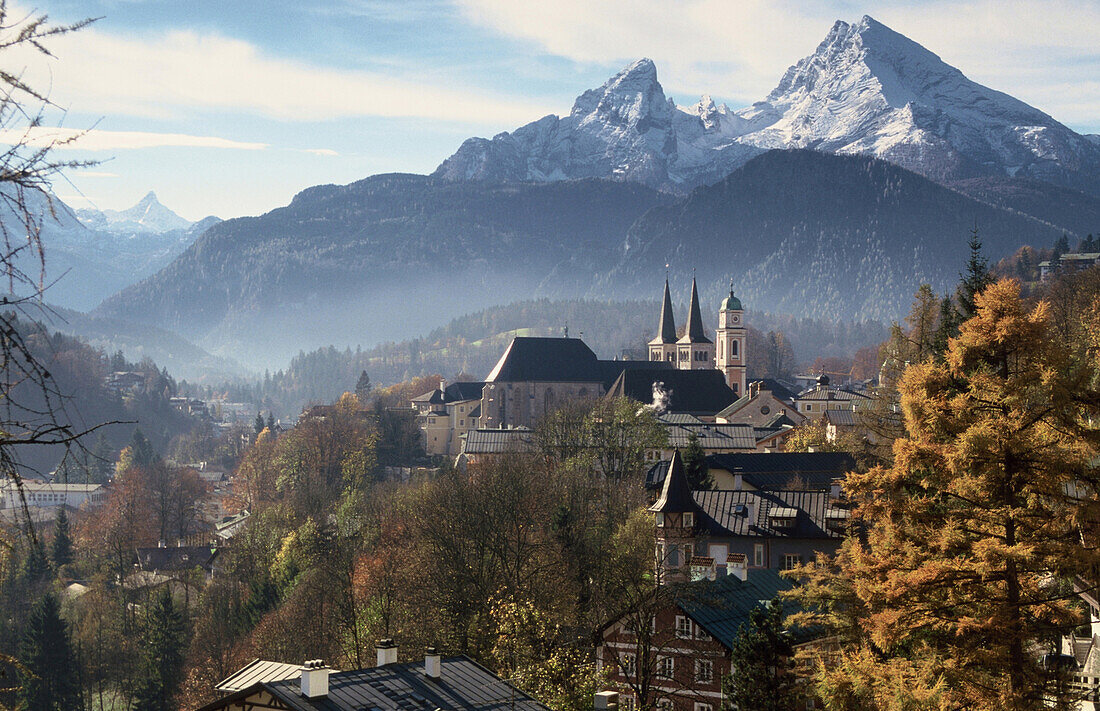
column 258, row 425
column 46, row 651
column 948, row 326
column 270, row 421
column 975, row 279
column 362, row 388
column 1061, row 246
column 695, row 465
column 143, row 452
column 62, row 550
column 759, row 655
column 35, row 566
column 164, row 655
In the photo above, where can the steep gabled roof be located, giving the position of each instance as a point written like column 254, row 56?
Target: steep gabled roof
column 675, row 495
column 181, row 558
column 257, row 671
column 546, row 360
column 700, row 392
column 695, row 331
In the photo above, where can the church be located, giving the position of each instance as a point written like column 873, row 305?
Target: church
column 689, row 374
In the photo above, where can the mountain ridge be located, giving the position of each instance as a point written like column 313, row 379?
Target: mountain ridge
column 865, row 89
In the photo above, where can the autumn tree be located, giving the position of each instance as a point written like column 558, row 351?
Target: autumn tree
column 952, row 592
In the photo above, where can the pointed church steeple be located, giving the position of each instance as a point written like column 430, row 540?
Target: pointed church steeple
column 695, row 332
column 667, row 327
column 663, row 347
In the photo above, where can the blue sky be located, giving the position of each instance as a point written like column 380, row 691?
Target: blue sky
column 230, row 107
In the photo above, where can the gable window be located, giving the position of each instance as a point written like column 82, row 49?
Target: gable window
column 758, row 555
column 704, row 671
column 666, row 667
column 791, row 560
column 689, row 519
column 700, row 634
column 683, row 627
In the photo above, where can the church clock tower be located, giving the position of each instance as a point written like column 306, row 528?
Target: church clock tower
column 731, row 343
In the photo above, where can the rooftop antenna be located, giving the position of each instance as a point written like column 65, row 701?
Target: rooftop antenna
column 565, row 331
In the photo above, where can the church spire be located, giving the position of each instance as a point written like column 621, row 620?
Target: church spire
column 667, row 327
column 695, row 332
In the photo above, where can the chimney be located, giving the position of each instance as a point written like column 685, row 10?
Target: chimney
column 314, row 679
column 432, row 663
column 606, row 701
column 387, row 652
column 738, row 482
column 737, row 565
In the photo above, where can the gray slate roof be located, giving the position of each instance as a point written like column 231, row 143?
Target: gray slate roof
column 463, row 685
column 702, row 392
column 495, row 441
column 722, row 517
column 666, row 329
column 773, row 470
column 560, row 360
column 181, row 558
column 713, row 436
column 842, row 418
column 695, row 332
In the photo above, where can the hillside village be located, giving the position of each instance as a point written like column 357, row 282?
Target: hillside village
column 762, row 498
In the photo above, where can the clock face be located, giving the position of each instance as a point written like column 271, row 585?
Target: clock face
column 735, row 319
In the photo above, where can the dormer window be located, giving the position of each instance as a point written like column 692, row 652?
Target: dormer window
column 782, row 517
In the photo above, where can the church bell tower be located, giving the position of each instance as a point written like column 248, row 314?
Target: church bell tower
column 731, row 343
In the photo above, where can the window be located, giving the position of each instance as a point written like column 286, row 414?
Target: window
column 666, row 667
column 700, row 634
column 664, row 704
column 689, row 519
column 809, row 406
column 790, row 560
column 462, row 423
column 704, row 672
column 670, row 356
column 672, row 555
column 758, row 555
column 627, row 702
column 702, row 707
column 683, row 627
column 660, row 519
column 629, row 666
column 733, row 349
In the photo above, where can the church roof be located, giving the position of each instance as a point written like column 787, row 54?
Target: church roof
column 675, row 495
column 695, row 331
column 463, row 390
column 731, row 302
column 666, row 329
column 691, row 391
column 546, row 360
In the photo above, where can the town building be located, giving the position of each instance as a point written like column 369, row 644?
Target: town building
column 775, row 529
column 42, row 495
column 772, row 471
column 686, row 653
column 1070, row 262
column 760, row 404
column 813, row 402
column 535, row 376
column 437, row 682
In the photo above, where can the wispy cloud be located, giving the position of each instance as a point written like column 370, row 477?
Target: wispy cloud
column 185, row 71
column 98, row 140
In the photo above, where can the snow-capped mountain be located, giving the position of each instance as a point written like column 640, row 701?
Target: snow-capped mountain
column 626, row 129
column 865, row 90
column 148, row 215
column 92, row 254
